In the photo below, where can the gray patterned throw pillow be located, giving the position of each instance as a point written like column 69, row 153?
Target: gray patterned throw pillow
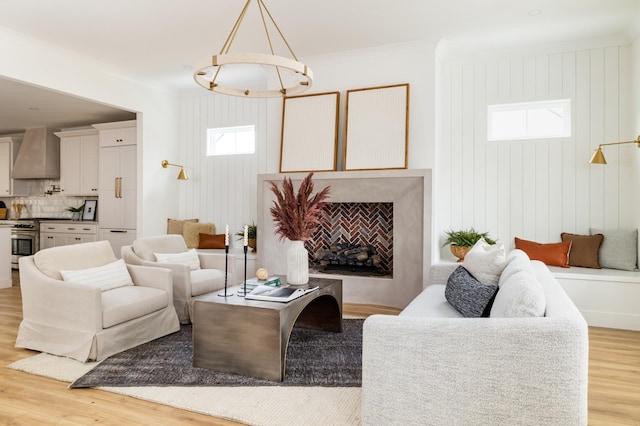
column 469, row 296
column 619, row 249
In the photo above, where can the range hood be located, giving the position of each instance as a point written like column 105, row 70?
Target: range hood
column 38, row 156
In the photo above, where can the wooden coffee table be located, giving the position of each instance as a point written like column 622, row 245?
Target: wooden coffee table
column 250, row 337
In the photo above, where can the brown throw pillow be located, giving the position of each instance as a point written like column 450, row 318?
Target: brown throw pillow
column 584, row 249
column 175, row 226
column 208, row 241
column 553, row 254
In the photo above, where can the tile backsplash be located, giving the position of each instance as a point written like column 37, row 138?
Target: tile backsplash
column 39, row 204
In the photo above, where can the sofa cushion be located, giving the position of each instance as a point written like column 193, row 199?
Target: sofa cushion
column 126, row 303
column 584, row 249
column 431, row 303
column 469, row 296
column 517, row 261
column 553, row 254
column 175, row 226
column 619, row 249
column 189, row 258
column 208, row 241
column 146, row 247
column 485, row 261
column 192, row 231
column 105, row 277
column 519, row 296
column 206, row 280
column 76, row 256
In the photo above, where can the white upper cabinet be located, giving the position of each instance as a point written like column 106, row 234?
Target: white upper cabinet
column 8, row 150
column 79, row 162
column 120, row 133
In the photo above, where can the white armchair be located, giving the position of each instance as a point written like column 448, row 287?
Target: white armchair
column 188, row 283
column 79, row 319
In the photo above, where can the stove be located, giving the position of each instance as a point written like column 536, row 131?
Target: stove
column 25, row 238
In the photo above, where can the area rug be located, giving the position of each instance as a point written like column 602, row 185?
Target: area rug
column 314, row 358
column 254, row 405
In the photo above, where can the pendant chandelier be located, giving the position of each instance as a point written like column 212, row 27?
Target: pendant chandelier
column 220, row 74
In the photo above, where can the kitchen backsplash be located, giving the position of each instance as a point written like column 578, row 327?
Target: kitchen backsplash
column 42, row 205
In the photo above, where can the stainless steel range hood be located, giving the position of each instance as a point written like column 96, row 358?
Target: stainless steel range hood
column 39, row 155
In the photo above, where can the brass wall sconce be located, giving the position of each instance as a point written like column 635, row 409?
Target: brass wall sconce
column 598, row 156
column 182, row 175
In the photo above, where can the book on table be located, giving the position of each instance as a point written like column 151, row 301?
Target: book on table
column 278, row 294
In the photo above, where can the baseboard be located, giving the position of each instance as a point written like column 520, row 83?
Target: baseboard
column 612, row 320
column 6, row 283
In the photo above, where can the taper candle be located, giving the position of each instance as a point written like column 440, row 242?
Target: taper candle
column 226, row 236
column 246, row 235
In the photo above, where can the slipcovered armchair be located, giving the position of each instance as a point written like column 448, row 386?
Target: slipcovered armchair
column 194, row 273
column 79, row 301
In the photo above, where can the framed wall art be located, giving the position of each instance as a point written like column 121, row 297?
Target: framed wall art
column 377, row 128
column 90, row 208
column 309, row 133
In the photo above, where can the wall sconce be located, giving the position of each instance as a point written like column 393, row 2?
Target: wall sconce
column 598, row 156
column 182, row 175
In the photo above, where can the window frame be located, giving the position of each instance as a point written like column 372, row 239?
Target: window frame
column 210, row 145
column 564, row 103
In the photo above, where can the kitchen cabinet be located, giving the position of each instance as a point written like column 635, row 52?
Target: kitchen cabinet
column 54, row 234
column 121, row 133
column 79, row 150
column 9, row 147
column 118, row 194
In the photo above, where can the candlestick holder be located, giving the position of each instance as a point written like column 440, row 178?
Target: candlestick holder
column 226, row 267
column 243, row 290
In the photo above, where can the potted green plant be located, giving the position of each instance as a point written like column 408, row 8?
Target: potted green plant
column 252, row 232
column 460, row 242
column 76, row 212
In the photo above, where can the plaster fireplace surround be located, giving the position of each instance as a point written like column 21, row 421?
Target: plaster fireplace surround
column 410, row 193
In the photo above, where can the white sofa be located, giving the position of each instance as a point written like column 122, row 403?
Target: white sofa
column 431, row 366
column 79, row 319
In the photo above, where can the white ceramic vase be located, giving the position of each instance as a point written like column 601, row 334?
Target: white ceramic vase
column 297, row 264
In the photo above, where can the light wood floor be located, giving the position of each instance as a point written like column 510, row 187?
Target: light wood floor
column 25, row 399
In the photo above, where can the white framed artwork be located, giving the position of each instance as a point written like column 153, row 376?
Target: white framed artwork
column 377, row 128
column 309, row 133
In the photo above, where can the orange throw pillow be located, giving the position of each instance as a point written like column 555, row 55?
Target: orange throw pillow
column 553, row 254
column 209, row 241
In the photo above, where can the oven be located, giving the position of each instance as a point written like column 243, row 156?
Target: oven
column 25, row 239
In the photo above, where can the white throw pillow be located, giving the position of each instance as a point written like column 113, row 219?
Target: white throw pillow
column 519, row 297
column 189, row 258
column 105, row 277
column 485, row 262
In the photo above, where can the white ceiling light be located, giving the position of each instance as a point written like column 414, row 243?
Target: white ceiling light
column 292, row 76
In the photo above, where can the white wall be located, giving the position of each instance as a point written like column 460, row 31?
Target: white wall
column 536, row 189
column 33, row 62
column 223, row 190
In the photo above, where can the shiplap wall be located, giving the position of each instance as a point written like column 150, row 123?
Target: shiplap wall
column 536, row 189
column 221, row 189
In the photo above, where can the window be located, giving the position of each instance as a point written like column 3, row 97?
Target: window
column 530, row 120
column 231, row 140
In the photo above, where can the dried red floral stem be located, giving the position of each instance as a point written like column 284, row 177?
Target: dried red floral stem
column 297, row 216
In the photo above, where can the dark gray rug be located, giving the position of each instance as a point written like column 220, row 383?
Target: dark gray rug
column 314, row 358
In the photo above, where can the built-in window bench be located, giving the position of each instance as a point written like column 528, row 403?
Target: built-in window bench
column 605, row 297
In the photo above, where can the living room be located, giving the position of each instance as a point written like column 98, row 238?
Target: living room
column 530, row 190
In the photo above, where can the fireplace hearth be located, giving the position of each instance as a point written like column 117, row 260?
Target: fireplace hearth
column 349, row 259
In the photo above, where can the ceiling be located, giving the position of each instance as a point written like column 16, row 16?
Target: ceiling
column 159, row 41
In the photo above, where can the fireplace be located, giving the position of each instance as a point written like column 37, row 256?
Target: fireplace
column 406, row 194
column 354, row 239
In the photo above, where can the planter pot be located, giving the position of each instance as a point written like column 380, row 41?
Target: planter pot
column 459, row 251
column 297, row 264
column 76, row 215
column 251, row 242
